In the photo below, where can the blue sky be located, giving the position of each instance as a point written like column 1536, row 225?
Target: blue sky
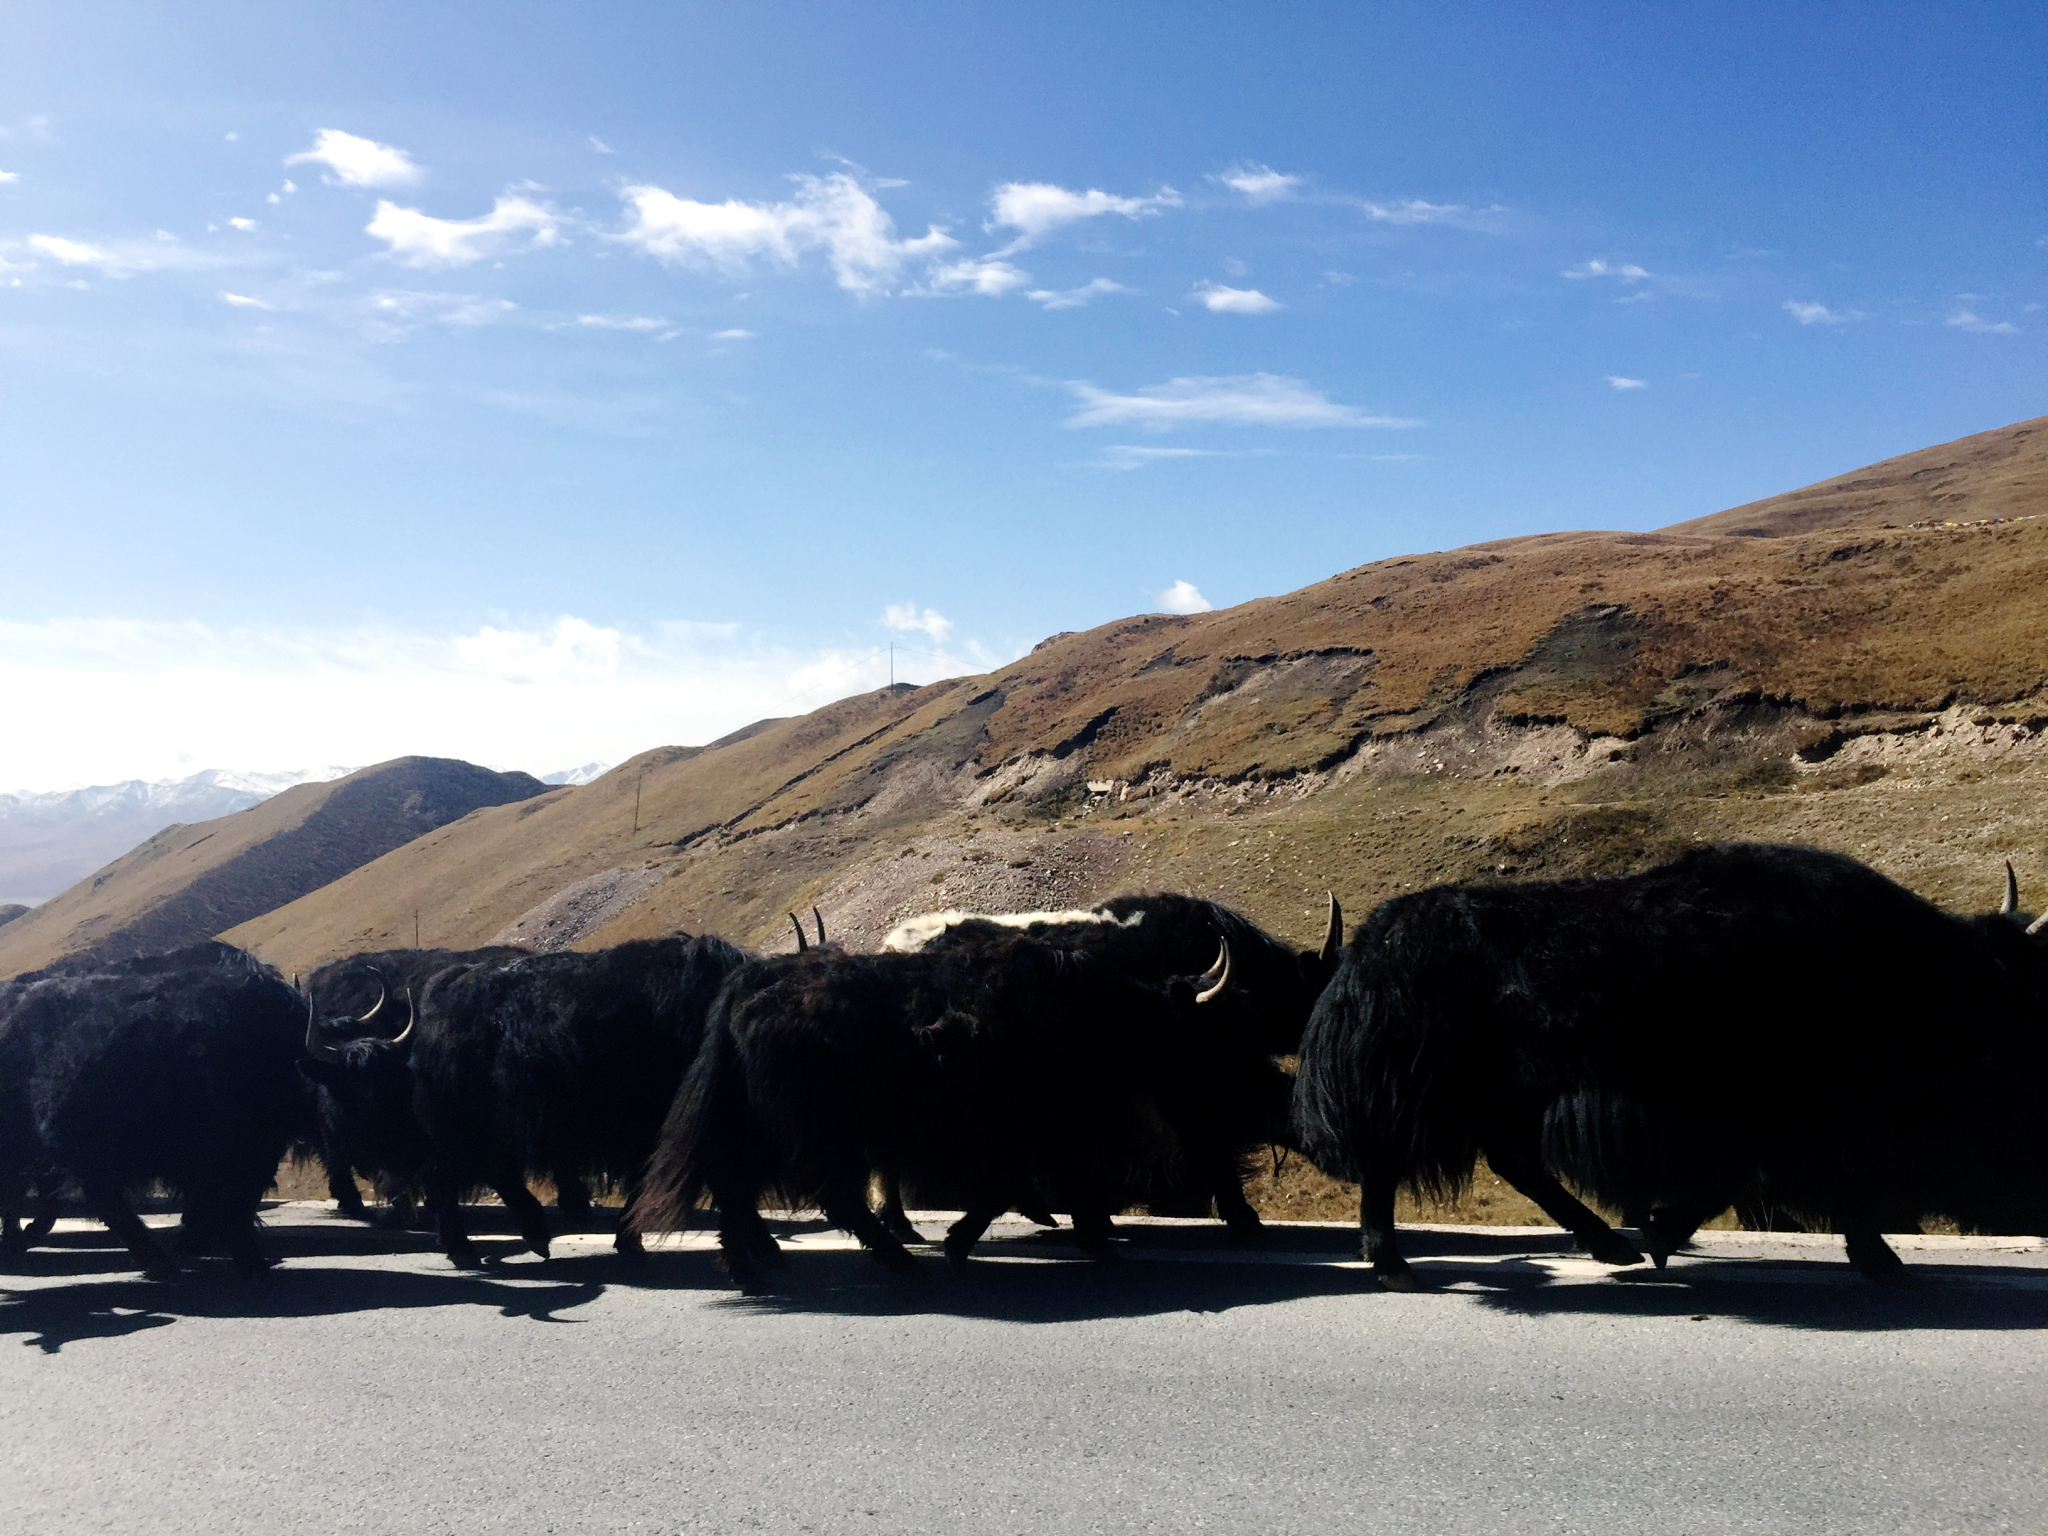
column 540, row 383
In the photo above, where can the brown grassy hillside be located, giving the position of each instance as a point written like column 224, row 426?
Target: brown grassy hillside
column 189, row 882
column 1817, row 670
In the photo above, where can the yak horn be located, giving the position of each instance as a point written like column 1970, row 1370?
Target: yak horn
column 1217, row 977
column 412, row 1017
column 2037, row 925
column 383, row 991
column 317, row 1048
column 801, row 946
column 821, row 926
column 1333, row 936
column 2011, row 904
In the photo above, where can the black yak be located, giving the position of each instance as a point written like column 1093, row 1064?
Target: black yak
column 562, row 1064
column 1007, row 1067
column 1777, row 1026
column 179, row 1069
column 364, row 1114
column 1227, row 1094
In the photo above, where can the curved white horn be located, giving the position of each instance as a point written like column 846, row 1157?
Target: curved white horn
column 2037, row 925
column 801, row 946
column 317, row 1048
column 821, row 924
column 1333, row 937
column 1217, row 977
column 412, row 1017
column 2011, row 904
column 383, row 991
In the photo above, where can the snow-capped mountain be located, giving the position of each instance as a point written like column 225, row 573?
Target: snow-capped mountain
column 581, row 775
column 52, row 839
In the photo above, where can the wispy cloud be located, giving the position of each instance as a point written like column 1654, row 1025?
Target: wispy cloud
column 244, row 301
column 1184, row 597
column 126, row 258
column 732, row 335
column 599, row 146
column 1616, row 381
column 1416, row 211
column 1819, row 314
column 1036, row 208
column 1969, row 320
column 906, row 618
column 1626, row 272
column 1075, row 298
column 246, row 226
column 989, row 278
column 421, row 240
column 359, row 162
column 1254, row 400
column 1131, row 456
column 834, row 214
column 1260, row 183
column 396, row 312
column 1234, row 301
column 8, row 176
column 622, row 322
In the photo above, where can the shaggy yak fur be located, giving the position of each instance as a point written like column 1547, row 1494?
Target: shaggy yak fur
column 179, row 1069
column 1010, row 1069
column 1777, row 1026
column 1228, row 1096
column 562, row 1063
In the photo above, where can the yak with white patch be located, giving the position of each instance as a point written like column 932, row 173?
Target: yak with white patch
column 1774, row 1026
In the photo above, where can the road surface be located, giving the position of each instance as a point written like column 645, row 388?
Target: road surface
column 1756, row 1385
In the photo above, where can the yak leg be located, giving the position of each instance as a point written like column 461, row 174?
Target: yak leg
column 626, row 1239
column 444, row 1201
column 966, row 1232
column 13, row 1196
column 49, row 1201
column 891, row 1213
column 510, row 1186
column 341, row 1184
column 1558, row 1203
column 1093, row 1227
column 1231, row 1205
column 846, row 1207
column 1671, row 1227
column 1867, row 1250
column 110, row 1202
column 744, row 1240
column 572, row 1200
column 1377, row 1243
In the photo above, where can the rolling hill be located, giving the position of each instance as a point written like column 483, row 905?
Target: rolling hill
column 1862, row 664
column 188, row 882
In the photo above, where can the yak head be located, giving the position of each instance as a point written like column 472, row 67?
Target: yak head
column 364, row 1082
column 2009, row 907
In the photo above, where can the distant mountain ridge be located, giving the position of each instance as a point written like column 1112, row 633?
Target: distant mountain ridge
column 188, row 882
column 52, row 839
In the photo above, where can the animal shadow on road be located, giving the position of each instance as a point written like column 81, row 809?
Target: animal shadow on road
column 83, row 1285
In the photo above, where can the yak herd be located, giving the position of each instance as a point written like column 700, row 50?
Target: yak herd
column 1775, row 1028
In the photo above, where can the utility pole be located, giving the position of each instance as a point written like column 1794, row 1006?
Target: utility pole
column 892, row 664
column 415, row 927
column 638, row 784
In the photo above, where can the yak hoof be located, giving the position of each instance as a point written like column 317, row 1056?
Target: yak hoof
column 1038, row 1215
column 1397, row 1277
column 464, row 1256
column 160, row 1270
column 1874, row 1259
column 900, row 1228
column 1612, row 1248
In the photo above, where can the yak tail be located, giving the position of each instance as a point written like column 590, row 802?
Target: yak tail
column 1386, row 1087
column 707, row 1142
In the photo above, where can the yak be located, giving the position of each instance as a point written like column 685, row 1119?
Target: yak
column 178, row 1069
column 1228, row 1094
column 1012, row 1068
column 364, row 1113
column 1775, row 1026
column 562, row 1064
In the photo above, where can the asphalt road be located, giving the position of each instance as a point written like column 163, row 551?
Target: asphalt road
column 1758, row 1385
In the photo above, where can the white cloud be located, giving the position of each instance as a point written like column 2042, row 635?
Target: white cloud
column 7, row 176
column 1819, row 314
column 906, row 618
column 1627, row 272
column 1130, row 456
column 359, row 162
column 244, row 225
column 397, row 311
column 1036, row 208
column 1255, row 399
column 835, row 214
column 1416, row 211
column 507, row 694
column 420, row 240
column 1260, row 183
column 1184, row 597
column 1967, row 320
column 1616, row 381
column 243, row 301
column 732, row 335
column 989, row 278
column 125, row 258
column 1235, row 301
column 1075, row 298
column 600, row 146
column 621, row 322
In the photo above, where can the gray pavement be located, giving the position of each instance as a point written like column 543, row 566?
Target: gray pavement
column 1756, row 1385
